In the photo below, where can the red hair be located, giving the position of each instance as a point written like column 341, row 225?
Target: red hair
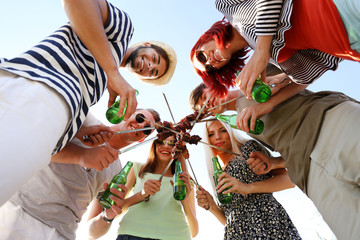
column 222, row 79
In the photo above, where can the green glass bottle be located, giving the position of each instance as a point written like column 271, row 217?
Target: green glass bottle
column 119, row 178
column 179, row 188
column 112, row 114
column 223, row 198
column 260, row 92
column 231, row 120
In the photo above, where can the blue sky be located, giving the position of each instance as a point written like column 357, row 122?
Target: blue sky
column 178, row 23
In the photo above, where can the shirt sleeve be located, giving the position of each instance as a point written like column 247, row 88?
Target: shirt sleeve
column 267, row 16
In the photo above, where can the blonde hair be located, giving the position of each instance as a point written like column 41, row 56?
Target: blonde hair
column 236, row 142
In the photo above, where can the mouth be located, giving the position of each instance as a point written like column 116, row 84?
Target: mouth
column 165, row 152
column 219, row 144
column 141, row 64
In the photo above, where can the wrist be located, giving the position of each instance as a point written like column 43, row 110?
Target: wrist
column 105, row 218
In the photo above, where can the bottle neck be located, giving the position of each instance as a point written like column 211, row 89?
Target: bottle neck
column 127, row 168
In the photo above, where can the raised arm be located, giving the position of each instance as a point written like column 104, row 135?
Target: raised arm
column 87, row 17
column 267, row 18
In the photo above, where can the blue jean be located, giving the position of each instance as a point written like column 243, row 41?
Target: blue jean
column 130, row 237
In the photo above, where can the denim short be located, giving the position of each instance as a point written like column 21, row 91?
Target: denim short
column 130, row 237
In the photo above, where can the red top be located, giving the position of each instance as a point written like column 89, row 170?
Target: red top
column 317, row 25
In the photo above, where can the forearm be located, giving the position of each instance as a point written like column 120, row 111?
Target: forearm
column 278, row 182
column 190, row 212
column 97, row 227
column 87, row 19
column 277, row 163
column 134, row 199
column 285, row 93
column 70, row 154
column 218, row 213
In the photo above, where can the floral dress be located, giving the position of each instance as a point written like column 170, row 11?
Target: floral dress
column 257, row 215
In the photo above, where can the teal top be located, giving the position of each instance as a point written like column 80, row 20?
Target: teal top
column 162, row 217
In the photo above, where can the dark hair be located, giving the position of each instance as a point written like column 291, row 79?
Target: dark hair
column 195, row 95
column 221, row 79
column 150, row 164
column 162, row 53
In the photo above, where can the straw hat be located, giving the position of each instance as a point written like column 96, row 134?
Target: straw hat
column 164, row 79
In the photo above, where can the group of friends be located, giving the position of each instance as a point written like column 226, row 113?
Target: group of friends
column 51, row 176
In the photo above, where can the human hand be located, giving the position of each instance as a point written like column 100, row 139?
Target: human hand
column 228, row 184
column 255, row 66
column 118, row 199
column 259, row 163
column 99, row 157
column 278, row 82
column 151, row 187
column 204, row 198
column 254, row 112
column 117, row 85
column 95, row 135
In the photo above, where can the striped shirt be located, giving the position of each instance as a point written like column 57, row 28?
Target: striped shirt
column 64, row 63
column 254, row 18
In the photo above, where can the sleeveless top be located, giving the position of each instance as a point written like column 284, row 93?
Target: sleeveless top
column 162, row 217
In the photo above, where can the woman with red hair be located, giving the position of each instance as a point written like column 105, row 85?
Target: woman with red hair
column 304, row 38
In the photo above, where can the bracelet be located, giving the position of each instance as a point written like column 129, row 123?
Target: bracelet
column 105, row 218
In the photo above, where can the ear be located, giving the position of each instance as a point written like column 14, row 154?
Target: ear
column 227, row 45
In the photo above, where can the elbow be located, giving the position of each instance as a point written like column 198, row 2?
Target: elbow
column 195, row 230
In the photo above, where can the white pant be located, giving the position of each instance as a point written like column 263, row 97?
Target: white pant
column 16, row 224
column 334, row 177
column 33, row 117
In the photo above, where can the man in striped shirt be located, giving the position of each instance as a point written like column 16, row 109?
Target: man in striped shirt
column 46, row 92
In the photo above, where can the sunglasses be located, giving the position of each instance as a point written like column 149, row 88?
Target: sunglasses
column 170, row 143
column 202, row 57
column 140, row 118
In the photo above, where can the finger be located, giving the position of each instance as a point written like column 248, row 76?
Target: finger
column 131, row 106
column 112, row 98
column 123, row 101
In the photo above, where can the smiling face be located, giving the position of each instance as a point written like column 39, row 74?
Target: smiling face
column 219, row 136
column 163, row 149
column 211, row 54
column 147, row 63
column 133, row 124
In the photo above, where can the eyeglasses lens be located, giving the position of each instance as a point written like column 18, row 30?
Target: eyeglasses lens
column 201, row 56
column 147, row 132
column 210, row 69
column 140, row 118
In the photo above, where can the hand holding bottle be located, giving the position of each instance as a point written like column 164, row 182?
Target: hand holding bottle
column 251, row 114
column 228, row 184
column 117, row 85
column 118, row 199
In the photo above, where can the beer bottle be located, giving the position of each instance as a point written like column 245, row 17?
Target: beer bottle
column 223, row 198
column 260, row 92
column 231, row 120
column 119, row 178
column 112, row 114
column 179, row 189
